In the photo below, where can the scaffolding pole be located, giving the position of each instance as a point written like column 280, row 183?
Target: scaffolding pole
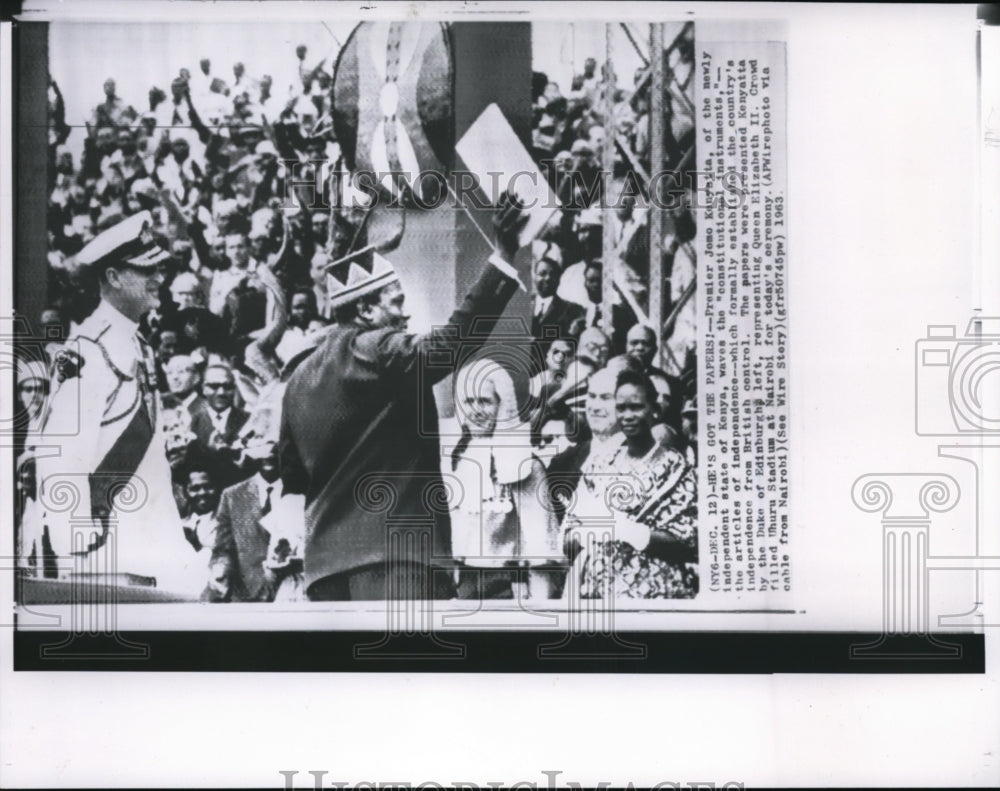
column 656, row 163
column 608, row 251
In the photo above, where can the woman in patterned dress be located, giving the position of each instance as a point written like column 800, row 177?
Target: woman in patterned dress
column 634, row 518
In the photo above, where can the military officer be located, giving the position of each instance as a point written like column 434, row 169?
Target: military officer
column 105, row 487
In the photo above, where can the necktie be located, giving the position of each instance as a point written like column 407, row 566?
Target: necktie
column 267, row 503
column 191, row 534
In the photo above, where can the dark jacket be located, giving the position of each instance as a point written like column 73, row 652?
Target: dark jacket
column 623, row 318
column 554, row 323
column 201, row 423
column 224, row 459
column 243, row 541
column 359, row 434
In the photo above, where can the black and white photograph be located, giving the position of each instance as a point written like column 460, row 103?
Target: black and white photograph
column 361, row 311
column 614, row 385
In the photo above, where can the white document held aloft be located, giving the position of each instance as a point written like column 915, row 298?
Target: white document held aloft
column 495, row 155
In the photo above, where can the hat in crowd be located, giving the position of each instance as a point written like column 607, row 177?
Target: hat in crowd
column 266, row 147
column 354, row 276
column 128, row 242
column 690, row 407
column 546, row 251
column 260, row 222
column 581, row 147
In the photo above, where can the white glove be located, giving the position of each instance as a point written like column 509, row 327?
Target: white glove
column 631, row 532
column 589, row 504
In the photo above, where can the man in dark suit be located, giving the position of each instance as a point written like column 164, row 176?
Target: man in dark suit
column 551, row 315
column 217, row 423
column 359, row 420
column 239, row 536
column 622, row 316
column 640, row 345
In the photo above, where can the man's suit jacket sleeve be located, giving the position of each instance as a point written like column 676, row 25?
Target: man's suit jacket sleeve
column 402, row 353
column 237, row 419
column 201, row 425
column 294, row 478
column 573, row 311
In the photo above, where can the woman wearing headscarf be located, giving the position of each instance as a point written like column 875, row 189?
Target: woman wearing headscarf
column 505, row 533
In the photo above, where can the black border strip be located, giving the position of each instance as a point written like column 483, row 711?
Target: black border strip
column 988, row 13
column 502, row 652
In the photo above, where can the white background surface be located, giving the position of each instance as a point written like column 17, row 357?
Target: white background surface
column 882, row 214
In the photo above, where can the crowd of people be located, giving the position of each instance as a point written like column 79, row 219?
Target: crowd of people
column 241, row 304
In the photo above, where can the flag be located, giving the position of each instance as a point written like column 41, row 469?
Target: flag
column 393, row 101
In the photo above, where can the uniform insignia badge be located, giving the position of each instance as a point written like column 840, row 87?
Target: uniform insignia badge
column 68, row 364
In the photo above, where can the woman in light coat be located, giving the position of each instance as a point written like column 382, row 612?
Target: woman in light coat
column 505, row 533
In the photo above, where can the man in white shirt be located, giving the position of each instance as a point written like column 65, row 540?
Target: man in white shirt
column 188, row 291
column 225, row 280
column 201, row 531
column 183, row 379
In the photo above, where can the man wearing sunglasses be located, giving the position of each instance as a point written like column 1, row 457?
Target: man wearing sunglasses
column 100, row 441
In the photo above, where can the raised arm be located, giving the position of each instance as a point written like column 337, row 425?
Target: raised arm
column 277, row 322
column 294, row 477
column 204, row 134
column 403, row 353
